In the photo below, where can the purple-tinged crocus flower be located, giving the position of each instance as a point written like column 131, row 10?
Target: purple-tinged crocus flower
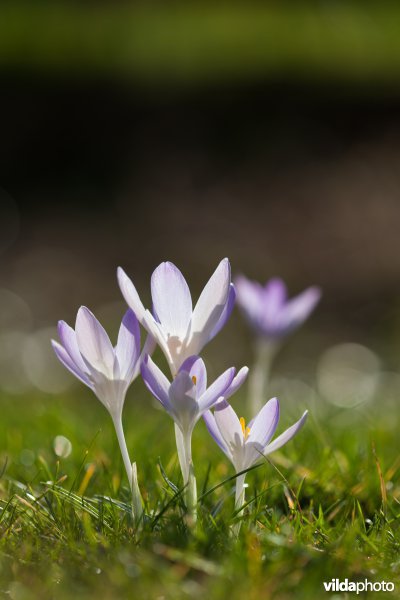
column 186, row 399
column 108, row 371
column 180, row 330
column 269, row 310
column 245, row 445
column 272, row 316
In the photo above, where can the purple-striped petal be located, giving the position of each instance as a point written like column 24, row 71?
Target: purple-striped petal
column 237, row 381
column 154, row 329
column 210, row 306
column 196, row 368
column 127, row 349
column 287, row 435
column 93, row 342
column 212, row 427
column 229, row 427
column 156, row 382
column 182, row 398
column 265, row 423
column 70, row 343
column 216, row 390
column 172, row 301
column 67, row 361
column 226, row 313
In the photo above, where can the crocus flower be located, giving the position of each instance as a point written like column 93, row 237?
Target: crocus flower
column 268, row 309
column 245, row 445
column 180, row 330
column 186, row 399
column 272, row 317
column 88, row 353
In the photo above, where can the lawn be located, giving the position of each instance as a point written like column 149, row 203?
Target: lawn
column 325, row 506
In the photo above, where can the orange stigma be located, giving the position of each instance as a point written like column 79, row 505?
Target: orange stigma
column 246, row 430
column 194, row 379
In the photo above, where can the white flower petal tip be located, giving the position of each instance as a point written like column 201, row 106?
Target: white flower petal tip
column 88, row 353
column 269, row 311
column 179, row 329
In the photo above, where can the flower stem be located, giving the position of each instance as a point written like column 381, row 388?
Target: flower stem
column 184, row 447
column 259, row 374
column 239, row 502
column 131, row 471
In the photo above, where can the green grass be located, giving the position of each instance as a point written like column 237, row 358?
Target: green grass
column 326, row 506
column 193, row 43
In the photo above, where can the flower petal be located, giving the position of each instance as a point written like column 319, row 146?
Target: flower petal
column 64, row 357
column 182, row 398
column 226, row 313
column 172, row 301
column 229, row 426
column 158, row 335
column 93, row 342
column 210, row 306
column 127, row 349
column 300, row 307
column 275, row 295
column 194, row 365
column 237, row 381
column 215, row 433
column 265, row 423
column 130, row 294
column 70, row 343
column 216, row 390
column 249, row 296
column 286, row 435
column 156, row 382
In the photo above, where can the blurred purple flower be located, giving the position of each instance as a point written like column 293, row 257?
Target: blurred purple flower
column 180, row 330
column 245, row 445
column 268, row 309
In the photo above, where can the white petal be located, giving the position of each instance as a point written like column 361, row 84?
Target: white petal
column 94, row 343
column 172, row 302
column 231, row 432
column 67, row 361
column 286, row 435
column 130, row 294
column 214, row 431
column 182, row 397
column 216, row 390
column 265, row 423
column 210, row 307
column 128, row 346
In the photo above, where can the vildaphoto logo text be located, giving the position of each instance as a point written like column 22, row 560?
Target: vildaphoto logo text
column 336, row 585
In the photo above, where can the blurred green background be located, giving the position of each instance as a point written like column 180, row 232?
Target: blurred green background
column 138, row 132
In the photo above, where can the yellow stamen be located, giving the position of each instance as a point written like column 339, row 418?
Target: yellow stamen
column 246, row 430
column 194, row 379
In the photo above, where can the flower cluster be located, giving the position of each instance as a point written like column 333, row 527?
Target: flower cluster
column 181, row 332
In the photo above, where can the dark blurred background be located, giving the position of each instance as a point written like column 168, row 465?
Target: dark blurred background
column 136, row 133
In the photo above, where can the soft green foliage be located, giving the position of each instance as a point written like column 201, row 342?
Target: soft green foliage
column 200, row 42
column 319, row 510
